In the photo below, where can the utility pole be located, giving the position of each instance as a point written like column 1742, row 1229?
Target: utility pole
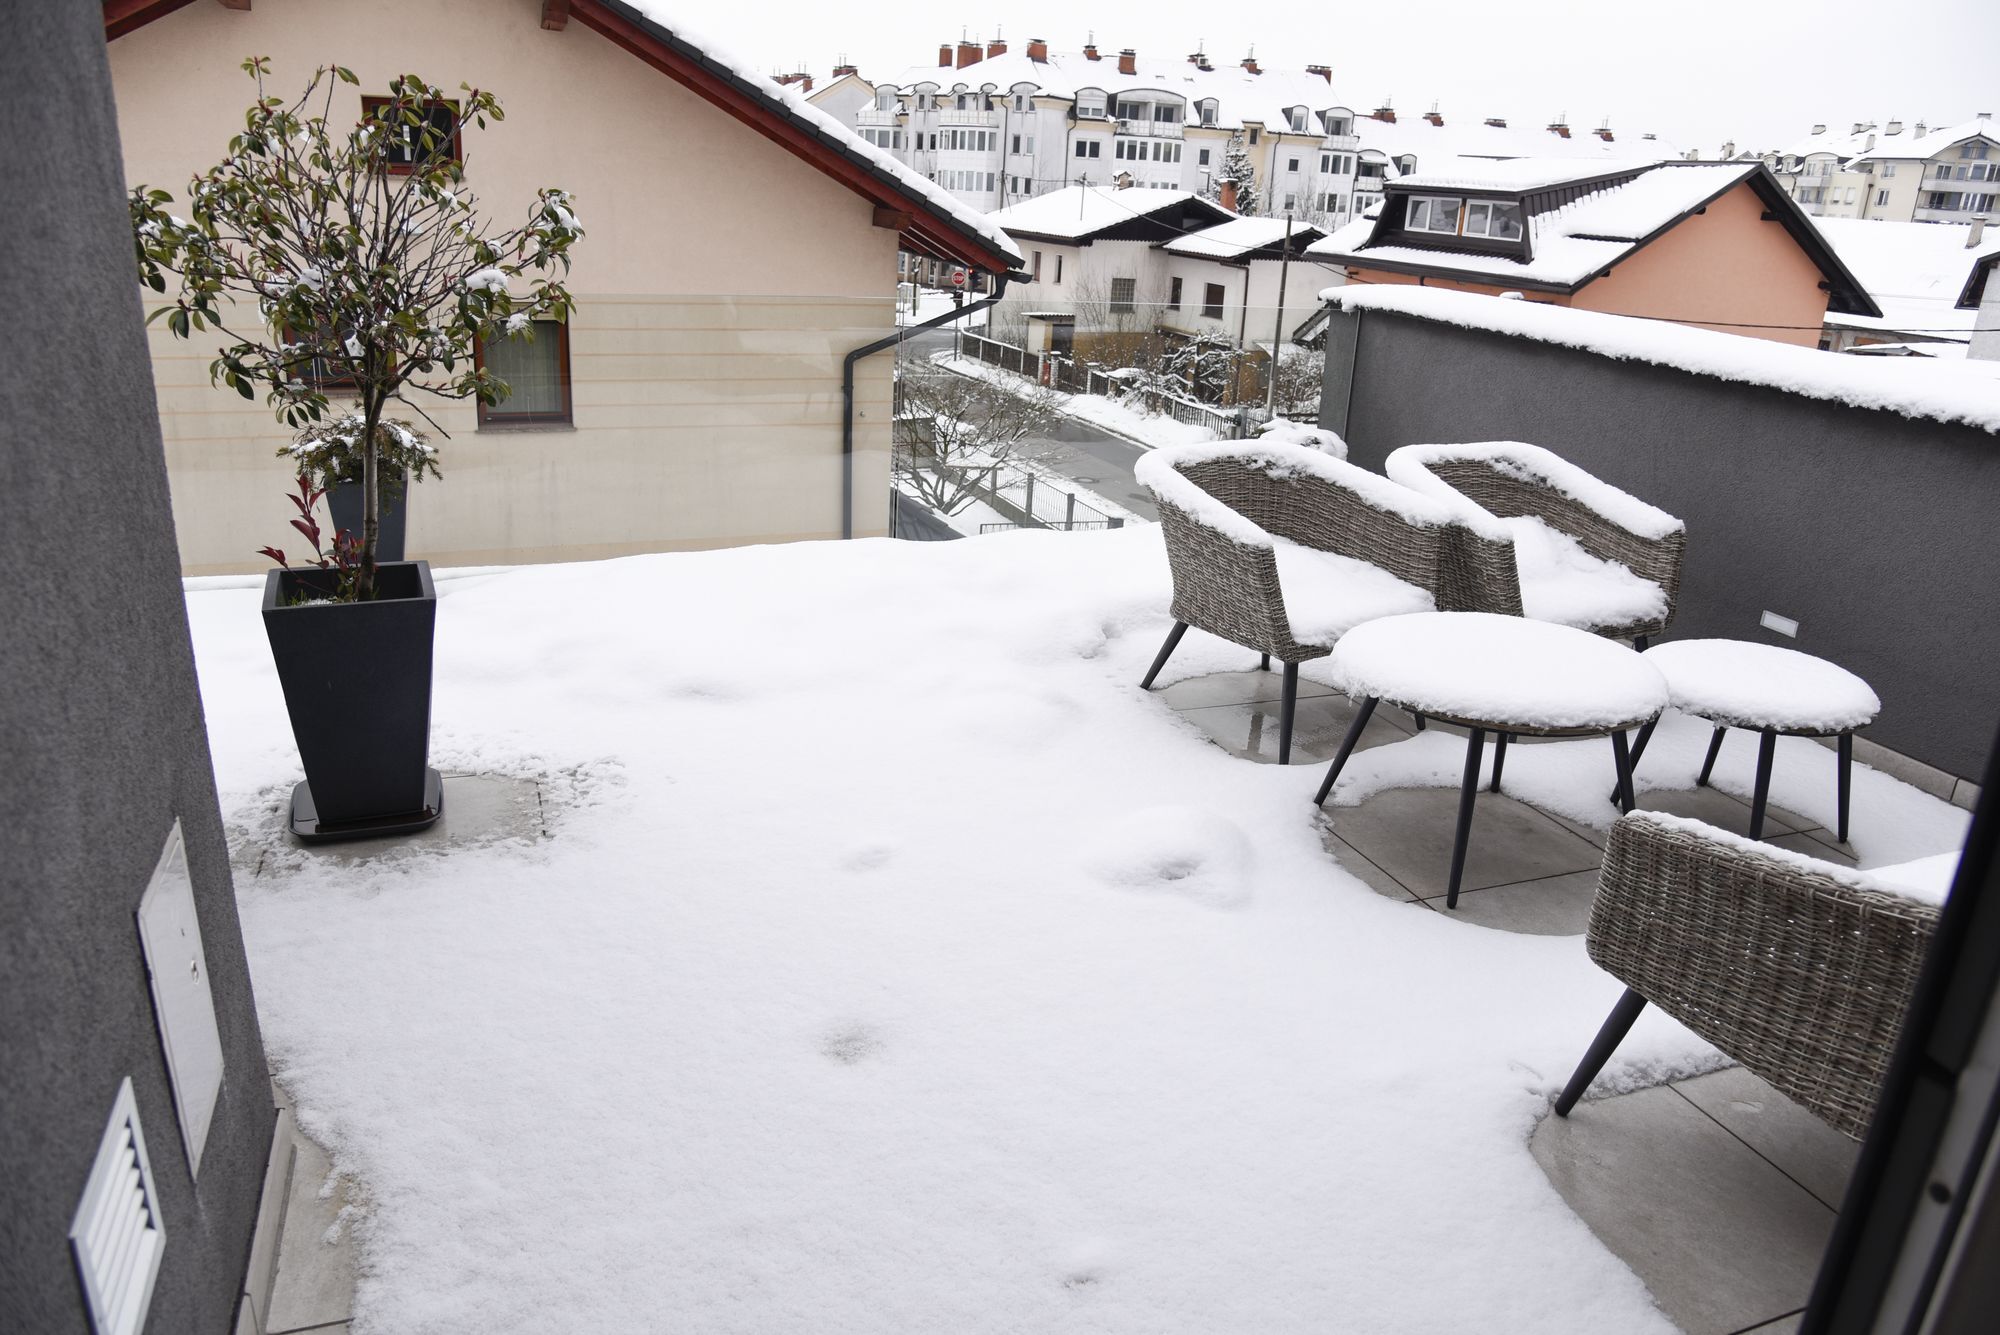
column 1278, row 333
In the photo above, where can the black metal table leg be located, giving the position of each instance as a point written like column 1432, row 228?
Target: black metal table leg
column 1616, row 1026
column 1621, row 758
column 1418, row 719
column 1263, row 662
column 1288, row 707
column 1845, row 746
column 1474, row 745
column 1354, row 731
column 1499, row 759
column 1767, row 748
column 1714, row 750
column 1638, row 749
column 1166, row 652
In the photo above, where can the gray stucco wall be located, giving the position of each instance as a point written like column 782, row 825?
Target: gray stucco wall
column 100, row 724
column 1876, row 532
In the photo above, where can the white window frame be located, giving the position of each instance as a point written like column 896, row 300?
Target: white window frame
column 1423, row 212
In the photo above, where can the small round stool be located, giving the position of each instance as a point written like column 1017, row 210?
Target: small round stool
column 1773, row 692
column 1505, row 675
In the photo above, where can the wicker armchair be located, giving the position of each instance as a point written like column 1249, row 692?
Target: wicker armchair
column 1237, row 512
column 1799, row 969
column 1495, row 481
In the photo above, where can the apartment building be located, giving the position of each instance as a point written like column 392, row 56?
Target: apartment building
column 1943, row 174
column 996, row 127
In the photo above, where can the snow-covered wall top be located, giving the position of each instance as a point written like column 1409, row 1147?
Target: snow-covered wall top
column 1914, row 387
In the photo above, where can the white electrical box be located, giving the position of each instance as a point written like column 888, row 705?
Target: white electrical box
column 171, row 935
column 1782, row 625
column 117, row 1236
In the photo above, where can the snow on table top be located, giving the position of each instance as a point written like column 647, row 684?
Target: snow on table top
column 1911, row 386
column 1498, row 669
column 1763, row 686
column 1161, row 473
column 1411, row 465
column 790, row 101
column 1925, row 880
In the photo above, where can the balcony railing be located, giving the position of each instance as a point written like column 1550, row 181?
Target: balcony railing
column 982, row 118
column 1151, row 129
column 877, row 116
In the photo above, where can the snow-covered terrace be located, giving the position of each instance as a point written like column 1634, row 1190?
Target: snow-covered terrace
column 867, row 953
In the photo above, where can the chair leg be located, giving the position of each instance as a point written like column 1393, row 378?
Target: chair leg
column 1621, row 760
column 1499, row 760
column 1767, row 748
column 1166, row 652
column 1632, row 764
column 1714, row 750
column 1418, row 719
column 1473, row 747
column 1846, row 781
column 1616, row 1026
column 1287, row 707
column 1263, row 662
column 1354, row 731
column 1639, row 643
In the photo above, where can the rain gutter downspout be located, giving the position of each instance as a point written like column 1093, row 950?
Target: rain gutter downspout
column 847, row 388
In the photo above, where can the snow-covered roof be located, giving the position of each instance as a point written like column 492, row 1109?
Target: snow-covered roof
column 1515, row 173
column 1842, row 144
column 1912, row 386
column 1434, row 146
column 789, row 102
column 1933, row 142
column 1226, row 241
column 1079, row 212
column 1915, row 272
column 1568, row 243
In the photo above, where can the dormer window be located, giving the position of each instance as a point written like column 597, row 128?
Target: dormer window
column 1090, row 105
column 1493, row 218
column 1298, row 119
column 1208, row 112
column 885, row 100
column 1433, row 213
column 1020, row 101
column 1337, row 125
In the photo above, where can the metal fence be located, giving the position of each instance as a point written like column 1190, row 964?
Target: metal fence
column 1074, row 376
column 995, row 353
column 1035, row 501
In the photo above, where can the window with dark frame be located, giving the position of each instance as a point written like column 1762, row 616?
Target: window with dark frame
column 405, row 149
column 1174, row 295
column 536, row 370
column 1211, row 301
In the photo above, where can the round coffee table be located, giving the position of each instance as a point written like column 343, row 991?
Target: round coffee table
column 1771, row 691
column 1499, row 674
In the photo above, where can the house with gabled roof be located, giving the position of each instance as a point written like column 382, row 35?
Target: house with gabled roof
column 1230, row 279
column 1948, row 174
column 740, row 244
column 1719, row 246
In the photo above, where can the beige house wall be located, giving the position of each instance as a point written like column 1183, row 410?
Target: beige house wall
column 720, row 283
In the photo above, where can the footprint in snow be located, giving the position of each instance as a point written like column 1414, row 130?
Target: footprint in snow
column 1182, row 851
column 850, row 1045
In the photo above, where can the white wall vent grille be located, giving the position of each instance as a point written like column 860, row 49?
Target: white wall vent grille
column 117, row 1236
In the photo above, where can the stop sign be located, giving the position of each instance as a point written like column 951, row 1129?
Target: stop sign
column 958, row 278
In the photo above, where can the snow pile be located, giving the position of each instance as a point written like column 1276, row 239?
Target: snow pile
column 1499, row 669
column 1910, row 386
column 894, row 963
column 1926, row 880
column 1763, row 685
column 1326, row 595
column 1305, row 434
column 1411, row 465
column 1563, row 583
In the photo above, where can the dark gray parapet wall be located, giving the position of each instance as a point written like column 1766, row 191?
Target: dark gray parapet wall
column 1879, row 533
column 100, row 724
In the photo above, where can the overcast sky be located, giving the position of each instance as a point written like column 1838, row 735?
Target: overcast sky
column 1760, row 72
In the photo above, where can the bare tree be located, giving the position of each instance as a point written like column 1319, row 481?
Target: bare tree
column 1300, row 371
column 952, row 430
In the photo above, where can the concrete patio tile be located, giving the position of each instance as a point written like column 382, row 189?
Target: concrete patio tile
column 1813, row 848
column 1802, row 1147
column 1408, row 833
column 1250, row 732
column 1351, row 859
column 315, row 1281
column 1784, row 1325
column 1723, row 1240
column 1835, row 849
column 1717, row 808
column 479, row 809
column 1235, row 688
column 1552, row 906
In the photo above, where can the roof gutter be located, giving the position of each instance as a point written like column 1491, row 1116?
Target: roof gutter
column 847, row 363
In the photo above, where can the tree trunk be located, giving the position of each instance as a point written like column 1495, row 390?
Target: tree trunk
column 371, row 506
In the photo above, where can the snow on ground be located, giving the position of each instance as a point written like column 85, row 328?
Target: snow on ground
column 894, row 964
column 932, row 302
column 1148, row 429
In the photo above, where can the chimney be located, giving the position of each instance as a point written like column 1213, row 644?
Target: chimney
column 1250, row 63
column 1324, row 71
column 1894, row 127
column 1819, row 129
column 1090, row 51
column 996, row 47
column 1196, row 58
column 944, row 55
column 1728, row 150
column 801, row 78
column 1604, row 132
column 1128, row 61
column 1974, row 232
column 1038, row 50
column 1560, row 125
column 1920, row 129
column 1384, row 113
column 1497, row 122
column 1226, row 195
column 968, row 54
column 1858, row 127
column 840, row 71
column 1433, row 117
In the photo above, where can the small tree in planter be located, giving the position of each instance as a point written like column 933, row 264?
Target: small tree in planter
column 329, row 456
column 327, row 252
column 361, row 255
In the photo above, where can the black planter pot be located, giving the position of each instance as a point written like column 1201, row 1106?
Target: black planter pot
column 343, row 504
column 357, row 682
